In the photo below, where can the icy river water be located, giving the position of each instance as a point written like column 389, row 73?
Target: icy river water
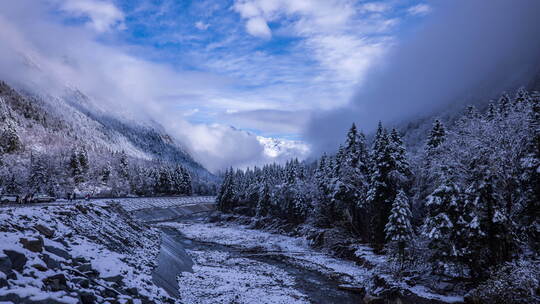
column 201, row 262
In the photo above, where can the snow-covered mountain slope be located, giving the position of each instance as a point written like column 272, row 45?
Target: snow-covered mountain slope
column 49, row 124
column 275, row 148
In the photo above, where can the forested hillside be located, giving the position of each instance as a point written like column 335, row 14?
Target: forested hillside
column 465, row 201
column 59, row 145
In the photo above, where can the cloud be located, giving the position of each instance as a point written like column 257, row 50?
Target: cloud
column 201, row 25
column 419, row 9
column 465, row 49
column 103, row 16
column 269, row 122
column 257, row 26
column 377, row 7
column 48, row 57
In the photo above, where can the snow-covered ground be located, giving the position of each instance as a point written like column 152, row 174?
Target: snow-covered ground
column 241, row 276
column 132, row 204
column 259, row 242
column 74, row 252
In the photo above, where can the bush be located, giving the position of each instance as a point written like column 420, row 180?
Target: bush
column 513, row 283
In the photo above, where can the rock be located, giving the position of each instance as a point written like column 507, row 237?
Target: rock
column 132, row 291
column 3, row 283
column 87, row 297
column 40, row 267
column 114, row 279
column 18, row 260
column 80, row 260
column 444, row 287
column 32, row 244
column 59, row 252
column 5, row 264
column 56, row 282
column 84, row 283
column 85, row 268
column 370, row 299
column 50, row 262
column 46, row 231
column 356, row 289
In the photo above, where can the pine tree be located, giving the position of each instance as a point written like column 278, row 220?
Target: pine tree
column 75, row 166
column 83, row 160
column 225, row 197
column 123, row 167
column 106, row 173
column 436, row 137
column 265, row 198
column 381, row 192
column 442, row 215
column 9, row 140
column 399, row 229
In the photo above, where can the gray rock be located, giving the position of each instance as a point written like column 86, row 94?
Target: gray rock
column 32, row 244
column 3, row 283
column 46, row 231
column 114, row 279
column 5, row 264
column 18, row 260
column 85, row 267
column 87, row 297
column 56, row 282
column 59, row 252
column 370, row 299
column 50, row 262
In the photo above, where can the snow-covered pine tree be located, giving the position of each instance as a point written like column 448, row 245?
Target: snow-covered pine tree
column 381, row 191
column 83, row 160
column 498, row 242
column 76, row 169
column 399, row 229
column 123, row 166
column 436, row 137
column 439, row 227
column 264, row 197
column 9, row 140
column 226, row 195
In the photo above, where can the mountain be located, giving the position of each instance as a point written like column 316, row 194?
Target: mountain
column 54, row 126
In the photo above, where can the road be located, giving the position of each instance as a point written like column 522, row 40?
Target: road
column 132, row 204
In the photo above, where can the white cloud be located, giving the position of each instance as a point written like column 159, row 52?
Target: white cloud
column 201, row 25
column 103, row 15
column 68, row 56
column 335, row 33
column 377, row 7
column 419, row 9
column 258, row 27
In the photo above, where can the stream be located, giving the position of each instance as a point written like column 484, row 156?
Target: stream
column 268, row 275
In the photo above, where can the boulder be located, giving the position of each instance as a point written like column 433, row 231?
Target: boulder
column 87, row 297
column 114, row 279
column 371, row 299
column 5, row 263
column 3, row 283
column 46, row 231
column 32, row 244
column 59, row 252
column 40, row 267
column 18, row 260
column 84, row 268
column 50, row 262
column 56, row 282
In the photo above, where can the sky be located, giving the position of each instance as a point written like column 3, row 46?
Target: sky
column 221, row 74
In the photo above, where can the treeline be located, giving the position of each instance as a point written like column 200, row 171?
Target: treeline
column 78, row 171
column 471, row 192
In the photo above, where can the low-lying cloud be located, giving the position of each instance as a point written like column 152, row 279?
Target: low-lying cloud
column 40, row 54
column 464, row 47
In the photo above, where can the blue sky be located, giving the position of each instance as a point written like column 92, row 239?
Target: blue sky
column 202, row 67
column 270, row 56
